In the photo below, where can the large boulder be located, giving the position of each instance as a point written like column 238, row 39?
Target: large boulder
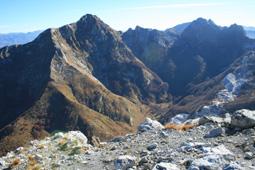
column 243, row 119
column 149, row 124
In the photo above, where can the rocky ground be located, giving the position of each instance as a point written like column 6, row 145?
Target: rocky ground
column 210, row 146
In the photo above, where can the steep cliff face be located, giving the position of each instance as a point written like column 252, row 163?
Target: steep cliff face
column 80, row 76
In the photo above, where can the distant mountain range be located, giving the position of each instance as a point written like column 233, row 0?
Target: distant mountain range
column 250, row 32
column 17, row 38
column 86, row 76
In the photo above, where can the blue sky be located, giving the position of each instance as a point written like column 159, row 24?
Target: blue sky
column 29, row 15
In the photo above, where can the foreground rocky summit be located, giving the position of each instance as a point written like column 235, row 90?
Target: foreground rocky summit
column 209, row 146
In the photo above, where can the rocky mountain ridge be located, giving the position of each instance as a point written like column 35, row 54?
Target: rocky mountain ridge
column 68, row 79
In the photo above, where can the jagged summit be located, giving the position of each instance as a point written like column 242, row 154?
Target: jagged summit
column 89, row 18
column 237, row 30
column 88, row 26
column 201, row 30
column 204, row 29
column 89, row 22
column 201, row 21
column 139, row 28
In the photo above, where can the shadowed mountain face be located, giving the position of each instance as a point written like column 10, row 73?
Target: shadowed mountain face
column 202, row 51
column 150, row 46
column 80, row 76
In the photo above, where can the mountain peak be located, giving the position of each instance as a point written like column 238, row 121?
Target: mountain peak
column 90, row 21
column 140, row 28
column 236, row 27
column 89, row 18
column 201, row 20
column 201, row 24
column 201, row 29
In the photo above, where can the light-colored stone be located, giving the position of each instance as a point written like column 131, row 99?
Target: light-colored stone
column 209, row 162
column 150, row 124
column 243, row 119
column 248, row 155
column 165, row 166
column 233, row 166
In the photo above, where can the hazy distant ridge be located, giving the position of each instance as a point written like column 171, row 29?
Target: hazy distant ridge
column 17, row 38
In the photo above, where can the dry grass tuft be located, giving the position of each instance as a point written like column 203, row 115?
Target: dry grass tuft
column 32, row 163
column 180, row 127
column 15, row 162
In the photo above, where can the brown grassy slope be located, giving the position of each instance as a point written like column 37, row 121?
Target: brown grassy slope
column 58, row 109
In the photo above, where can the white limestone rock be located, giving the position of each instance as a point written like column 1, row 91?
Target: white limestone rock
column 150, row 124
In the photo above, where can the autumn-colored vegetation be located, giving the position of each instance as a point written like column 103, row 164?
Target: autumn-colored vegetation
column 180, row 127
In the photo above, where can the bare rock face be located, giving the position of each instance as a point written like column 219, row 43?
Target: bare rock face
column 150, row 45
column 80, row 76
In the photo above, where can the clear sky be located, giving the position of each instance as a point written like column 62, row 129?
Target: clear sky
column 29, row 15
